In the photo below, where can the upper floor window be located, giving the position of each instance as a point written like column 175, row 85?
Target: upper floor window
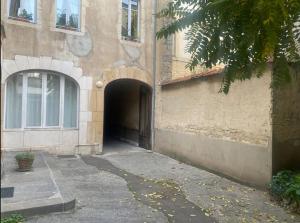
column 68, row 14
column 41, row 100
column 130, row 19
column 23, row 10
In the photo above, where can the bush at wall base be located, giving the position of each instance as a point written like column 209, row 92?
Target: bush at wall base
column 25, row 161
column 285, row 187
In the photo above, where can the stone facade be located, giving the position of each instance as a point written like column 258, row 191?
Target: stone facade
column 94, row 56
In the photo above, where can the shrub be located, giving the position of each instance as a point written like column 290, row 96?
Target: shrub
column 14, row 218
column 25, row 155
column 285, row 185
column 293, row 191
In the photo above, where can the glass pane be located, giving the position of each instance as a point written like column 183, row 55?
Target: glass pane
column 67, row 14
column 34, row 100
column 70, row 104
column 22, row 9
column 134, row 19
column 14, row 101
column 52, row 100
column 125, row 18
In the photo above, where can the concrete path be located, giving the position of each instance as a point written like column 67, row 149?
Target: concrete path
column 134, row 185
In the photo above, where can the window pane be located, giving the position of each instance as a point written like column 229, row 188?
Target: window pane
column 134, row 19
column 14, row 102
column 67, row 14
column 70, row 104
column 34, row 99
column 52, row 100
column 125, row 18
column 22, row 9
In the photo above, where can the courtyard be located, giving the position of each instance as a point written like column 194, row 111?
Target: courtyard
column 130, row 184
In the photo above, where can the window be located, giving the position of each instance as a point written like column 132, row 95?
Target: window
column 23, row 10
column 68, row 14
column 130, row 19
column 41, row 100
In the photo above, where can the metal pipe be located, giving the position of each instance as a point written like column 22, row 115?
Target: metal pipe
column 154, row 11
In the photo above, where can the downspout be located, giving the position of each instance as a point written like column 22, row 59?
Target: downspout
column 154, row 11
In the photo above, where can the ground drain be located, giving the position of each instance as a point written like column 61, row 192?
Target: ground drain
column 7, row 192
column 162, row 195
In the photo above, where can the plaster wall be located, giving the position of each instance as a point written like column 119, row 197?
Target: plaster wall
column 95, row 54
column 199, row 125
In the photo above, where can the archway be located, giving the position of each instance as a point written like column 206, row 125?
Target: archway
column 127, row 115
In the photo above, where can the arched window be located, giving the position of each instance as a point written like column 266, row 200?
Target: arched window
column 41, row 99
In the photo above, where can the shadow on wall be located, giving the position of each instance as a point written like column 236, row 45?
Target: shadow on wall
column 286, row 126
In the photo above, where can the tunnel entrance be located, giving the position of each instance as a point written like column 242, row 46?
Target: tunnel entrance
column 127, row 114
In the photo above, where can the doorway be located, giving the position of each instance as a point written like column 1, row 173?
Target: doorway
column 127, row 114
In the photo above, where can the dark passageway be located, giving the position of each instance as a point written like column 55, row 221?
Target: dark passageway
column 127, row 115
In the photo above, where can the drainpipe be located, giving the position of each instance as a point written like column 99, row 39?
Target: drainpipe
column 154, row 11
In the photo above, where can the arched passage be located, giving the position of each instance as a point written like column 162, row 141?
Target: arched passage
column 127, row 115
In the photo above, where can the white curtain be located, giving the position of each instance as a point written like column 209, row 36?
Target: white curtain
column 70, row 104
column 14, row 102
column 34, row 100
column 52, row 100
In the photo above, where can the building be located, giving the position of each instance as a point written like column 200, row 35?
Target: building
column 76, row 73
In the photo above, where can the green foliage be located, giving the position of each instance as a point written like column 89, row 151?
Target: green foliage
column 73, row 21
column 286, row 185
column 14, row 218
column 293, row 191
column 25, row 155
column 24, row 14
column 61, row 19
column 245, row 35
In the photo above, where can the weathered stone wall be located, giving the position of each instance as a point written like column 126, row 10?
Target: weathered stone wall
column 286, row 126
column 97, row 52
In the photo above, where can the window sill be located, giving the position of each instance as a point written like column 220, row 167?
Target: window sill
column 24, row 23
column 136, row 43
column 181, row 59
column 40, row 129
column 68, row 31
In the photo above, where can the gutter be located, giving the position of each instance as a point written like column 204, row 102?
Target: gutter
column 154, row 11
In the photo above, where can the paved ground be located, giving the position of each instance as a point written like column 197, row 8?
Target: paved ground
column 34, row 191
column 30, row 185
column 139, row 186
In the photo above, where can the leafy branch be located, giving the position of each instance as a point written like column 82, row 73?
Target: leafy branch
column 244, row 35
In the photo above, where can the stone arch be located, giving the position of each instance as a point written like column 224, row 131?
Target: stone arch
column 26, row 63
column 127, row 111
column 133, row 73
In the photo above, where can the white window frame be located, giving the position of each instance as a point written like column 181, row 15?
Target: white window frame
column 129, row 21
column 67, row 19
column 34, row 21
column 44, row 104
